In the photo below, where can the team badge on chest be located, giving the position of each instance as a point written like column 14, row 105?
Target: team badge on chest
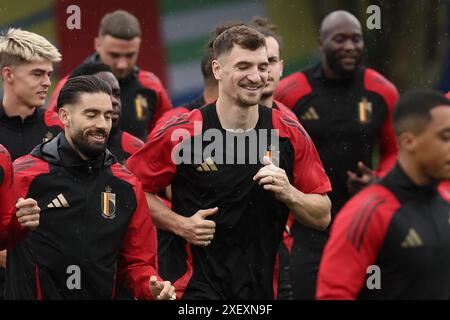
column 141, row 105
column 365, row 111
column 108, row 204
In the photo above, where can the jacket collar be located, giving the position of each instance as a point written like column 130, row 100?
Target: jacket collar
column 58, row 151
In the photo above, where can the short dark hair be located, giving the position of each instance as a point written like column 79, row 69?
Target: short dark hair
column 243, row 36
column 268, row 29
column 120, row 24
column 71, row 91
column 208, row 53
column 89, row 68
column 412, row 111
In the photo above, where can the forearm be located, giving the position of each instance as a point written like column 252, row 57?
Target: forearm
column 312, row 210
column 163, row 217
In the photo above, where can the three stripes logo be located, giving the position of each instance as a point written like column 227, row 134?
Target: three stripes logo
column 207, row 165
column 412, row 240
column 58, row 202
column 310, row 114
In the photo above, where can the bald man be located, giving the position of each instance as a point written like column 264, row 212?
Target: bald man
column 346, row 108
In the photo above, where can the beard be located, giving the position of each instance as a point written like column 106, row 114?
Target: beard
column 336, row 67
column 88, row 149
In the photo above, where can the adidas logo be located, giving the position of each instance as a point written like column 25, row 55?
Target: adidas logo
column 412, row 240
column 58, row 202
column 208, row 165
column 310, row 114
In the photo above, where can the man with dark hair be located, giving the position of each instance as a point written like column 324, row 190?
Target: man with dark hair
column 228, row 217
column 95, row 228
column 143, row 97
column 120, row 143
column 26, row 63
column 346, row 108
column 210, row 89
column 399, row 226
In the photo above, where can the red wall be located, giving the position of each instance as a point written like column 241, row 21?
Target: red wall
column 76, row 45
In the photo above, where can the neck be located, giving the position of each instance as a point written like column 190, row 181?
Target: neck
column 267, row 101
column 210, row 93
column 328, row 73
column 69, row 140
column 413, row 171
column 233, row 116
column 13, row 107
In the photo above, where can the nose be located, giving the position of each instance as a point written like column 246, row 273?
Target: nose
column 46, row 81
column 255, row 75
column 349, row 45
column 102, row 123
column 122, row 63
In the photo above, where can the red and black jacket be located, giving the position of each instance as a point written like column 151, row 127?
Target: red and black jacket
column 144, row 100
column 241, row 260
column 19, row 136
column 7, row 208
column 345, row 119
column 401, row 228
column 122, row 145
column 94, row 217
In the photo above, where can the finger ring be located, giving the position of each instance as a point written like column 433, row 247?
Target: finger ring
column 173, row 297
column 205, row 243
column 273, row 180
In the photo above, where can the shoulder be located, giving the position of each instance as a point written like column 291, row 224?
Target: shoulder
column 288, row 125
column 132, row 140
column 5, row 157
column 121, row 172
column 292, row 88
column 149, row 80
column 374, row 203
column 375, row 82
column 444, row 190
column 51, row 119
column 189, row 122
column 29, row 165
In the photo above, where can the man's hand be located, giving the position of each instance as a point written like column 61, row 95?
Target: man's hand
column 28, row 213
column 274, row 179
column 355, row 183
column 162, row 290
column 197, row 230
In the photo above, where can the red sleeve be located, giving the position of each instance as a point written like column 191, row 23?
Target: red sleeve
column 7, row 208
column 131, row 144
column 292, row 88
column 137, row 260
column 356, row 237
column 448, row 95
column 375, row 82
column 309, row 174
column 26, row 169
column 167, row 116
column 54, row 97
column 444, row 190
column 51, row 119
column 163, row 103
column 153, row 164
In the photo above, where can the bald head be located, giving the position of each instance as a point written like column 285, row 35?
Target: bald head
column 337, row 20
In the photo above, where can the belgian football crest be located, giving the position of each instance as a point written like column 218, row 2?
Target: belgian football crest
column 141, row 106
column 108, row 204
column 48, row 136
column 365, row 110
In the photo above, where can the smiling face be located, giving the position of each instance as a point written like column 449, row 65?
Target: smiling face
column 88, row 123
column 275, row 67
column 242, row 74
column 341, row 47
column 29, row 82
